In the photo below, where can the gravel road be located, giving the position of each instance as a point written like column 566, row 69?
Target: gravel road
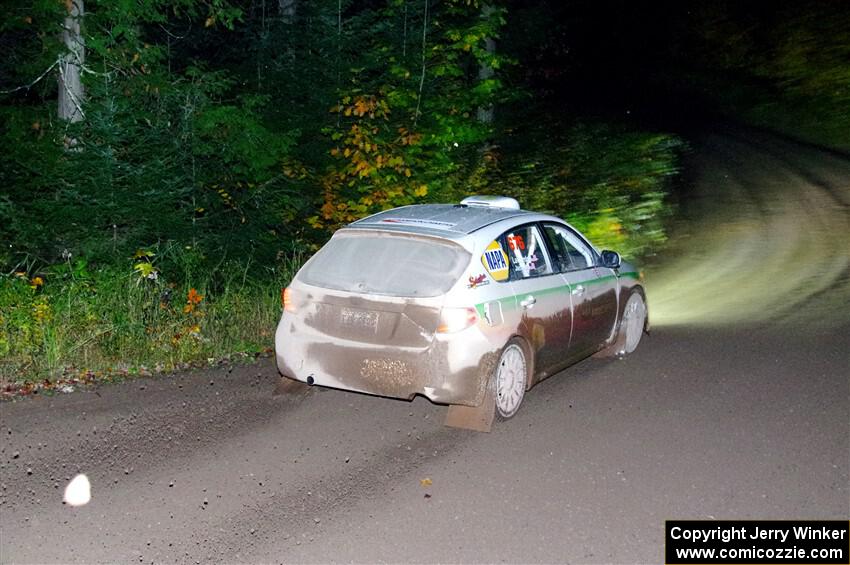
column 737, row 412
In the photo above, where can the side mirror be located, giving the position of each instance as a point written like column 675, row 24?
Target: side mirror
column 610, row 259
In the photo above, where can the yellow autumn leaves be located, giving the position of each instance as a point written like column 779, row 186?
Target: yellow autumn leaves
column 373, row 173
column 362, row 106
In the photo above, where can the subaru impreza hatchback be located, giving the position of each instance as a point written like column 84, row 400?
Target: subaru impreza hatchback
column 468, row 304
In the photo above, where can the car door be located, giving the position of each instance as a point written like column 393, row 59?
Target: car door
column 541, row 295
column 593, row 288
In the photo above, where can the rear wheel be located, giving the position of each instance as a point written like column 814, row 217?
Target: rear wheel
column 511, row 379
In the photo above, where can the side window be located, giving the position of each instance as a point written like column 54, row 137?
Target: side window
column 527, row 253
column 571, row 254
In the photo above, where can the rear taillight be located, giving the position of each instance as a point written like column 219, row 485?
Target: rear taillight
column 456, row 319
column 286, row 300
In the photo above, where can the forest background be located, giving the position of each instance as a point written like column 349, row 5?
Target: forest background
column 168, row 165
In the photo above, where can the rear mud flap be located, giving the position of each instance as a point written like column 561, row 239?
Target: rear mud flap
column 291, row 387
column 477, row 418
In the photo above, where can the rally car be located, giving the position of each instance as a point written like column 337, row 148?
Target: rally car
column 467, row 304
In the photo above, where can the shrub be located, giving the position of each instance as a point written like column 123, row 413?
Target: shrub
column 115, row 319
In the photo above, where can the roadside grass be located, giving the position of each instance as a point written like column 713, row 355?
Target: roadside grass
column 74, row 324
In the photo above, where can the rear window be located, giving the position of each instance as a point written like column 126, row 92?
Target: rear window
column 389, row 264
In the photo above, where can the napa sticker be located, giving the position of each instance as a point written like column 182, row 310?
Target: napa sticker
column 495, row 261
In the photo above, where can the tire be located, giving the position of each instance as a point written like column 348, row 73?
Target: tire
column 510, row 379
column 631, row 328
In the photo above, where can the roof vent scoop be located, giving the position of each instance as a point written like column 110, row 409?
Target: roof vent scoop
column 491, row 201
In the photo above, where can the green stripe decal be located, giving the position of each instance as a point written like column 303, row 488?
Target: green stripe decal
column 557, row 289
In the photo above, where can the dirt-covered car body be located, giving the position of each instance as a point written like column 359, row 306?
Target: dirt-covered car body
column 423, row 300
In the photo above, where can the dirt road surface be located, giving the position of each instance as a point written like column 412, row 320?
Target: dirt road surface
column 736, row 407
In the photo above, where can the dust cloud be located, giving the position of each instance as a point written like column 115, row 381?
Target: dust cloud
column 767, row 240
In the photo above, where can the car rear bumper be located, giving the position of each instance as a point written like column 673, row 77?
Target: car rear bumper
column 453, row 369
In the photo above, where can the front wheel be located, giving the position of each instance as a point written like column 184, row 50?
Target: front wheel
column 634, row 322
column 631, row 329
column 510, row 379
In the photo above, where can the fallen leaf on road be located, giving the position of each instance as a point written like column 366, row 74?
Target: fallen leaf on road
column 425, row 482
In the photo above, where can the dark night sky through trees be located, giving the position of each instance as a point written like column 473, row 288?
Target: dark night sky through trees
column 651, row 57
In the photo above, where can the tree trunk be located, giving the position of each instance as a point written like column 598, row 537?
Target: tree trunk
column 485, row 71
column 71, row 90
column 287, row 9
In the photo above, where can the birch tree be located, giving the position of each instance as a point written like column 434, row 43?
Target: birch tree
column 71, row 90
column 287, row 10
column 485, row 69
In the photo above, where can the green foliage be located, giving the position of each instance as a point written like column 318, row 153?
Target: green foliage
column 401, row 135
column 609, row 182
column 166, row 152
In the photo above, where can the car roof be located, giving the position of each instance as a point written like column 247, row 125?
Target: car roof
column 445, row 220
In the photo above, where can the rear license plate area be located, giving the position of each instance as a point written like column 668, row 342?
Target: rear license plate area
column 359, row 320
